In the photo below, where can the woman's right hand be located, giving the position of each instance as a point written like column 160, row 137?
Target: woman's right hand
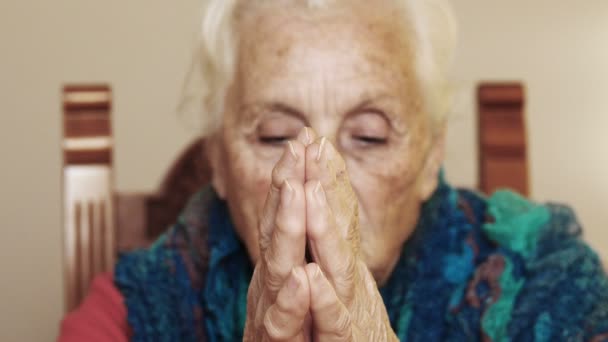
column 278, row 298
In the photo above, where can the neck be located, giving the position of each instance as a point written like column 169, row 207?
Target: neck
column 382, row 275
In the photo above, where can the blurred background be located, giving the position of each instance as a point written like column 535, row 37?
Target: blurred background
column 557, row 48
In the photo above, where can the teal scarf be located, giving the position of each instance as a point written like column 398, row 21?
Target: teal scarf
column 497, row 269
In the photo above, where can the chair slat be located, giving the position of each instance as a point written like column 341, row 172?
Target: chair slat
column 87, row 151
column 502, row 137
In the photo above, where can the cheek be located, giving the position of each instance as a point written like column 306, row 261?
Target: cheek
column 387, row 194
column 382, row 182
column 394, row 178
column 388, row 211
column 248, row 182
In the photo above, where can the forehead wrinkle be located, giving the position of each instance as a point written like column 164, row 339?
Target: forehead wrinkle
column 269, row 68
column 328, row 95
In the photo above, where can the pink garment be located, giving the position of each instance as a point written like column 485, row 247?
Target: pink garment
column 102, row 315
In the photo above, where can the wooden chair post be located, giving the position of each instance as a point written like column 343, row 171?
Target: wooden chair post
column 502, row 137
column 100, row 222
column 89, row 242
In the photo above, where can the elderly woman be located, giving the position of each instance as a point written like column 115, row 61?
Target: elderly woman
column 328, row 218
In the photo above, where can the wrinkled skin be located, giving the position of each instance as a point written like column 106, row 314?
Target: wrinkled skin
column 350, row 187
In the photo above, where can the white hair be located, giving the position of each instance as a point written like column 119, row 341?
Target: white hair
column 431, row 22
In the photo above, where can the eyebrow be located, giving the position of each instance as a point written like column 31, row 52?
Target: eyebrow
column 251, row 109
column 367, row 102
column 374, row 100
column 286, row 109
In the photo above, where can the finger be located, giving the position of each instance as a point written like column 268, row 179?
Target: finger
column 331, row 319
column 306, row 136
column 290, row 166
column 324, row 163
column 284, row 320
column 254, row 292
column 288, row 240
column 328, row 247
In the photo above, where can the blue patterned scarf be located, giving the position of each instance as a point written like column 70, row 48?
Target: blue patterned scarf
column 475, row 269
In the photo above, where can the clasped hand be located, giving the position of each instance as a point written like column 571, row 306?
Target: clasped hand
column 334, row 297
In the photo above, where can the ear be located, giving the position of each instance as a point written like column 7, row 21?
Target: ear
column 429, row 177
column 215, row 155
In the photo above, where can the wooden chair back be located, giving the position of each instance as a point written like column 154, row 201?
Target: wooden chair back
column 89, row 242
column 99, row 222
column 503, row 156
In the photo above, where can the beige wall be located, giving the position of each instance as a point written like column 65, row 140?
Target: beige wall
column 560, row 50
column 142, row 48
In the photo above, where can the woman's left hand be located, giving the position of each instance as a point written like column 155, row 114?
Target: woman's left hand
column 344, row 300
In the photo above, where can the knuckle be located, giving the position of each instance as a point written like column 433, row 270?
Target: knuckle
column 275, row 274
column 340, row 328
column 279, row 173
column 265, row 220
column 345, row 289
column 318, row 231
column 321, row 225
column 342, row 325
column 290, row 225
column 328, row 303
column 349, row 268
column 264, row 242
column 287, row 305
column 260, row 310
column 273, row 266
column 275, row 330
column 345, row 279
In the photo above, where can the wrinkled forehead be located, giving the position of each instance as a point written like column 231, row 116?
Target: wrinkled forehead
column 283, row 32
column 363, row 44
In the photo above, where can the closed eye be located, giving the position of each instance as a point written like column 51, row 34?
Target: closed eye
column 370, row 140
column 274, row 140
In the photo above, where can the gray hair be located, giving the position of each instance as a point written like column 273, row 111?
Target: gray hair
column 431, row 22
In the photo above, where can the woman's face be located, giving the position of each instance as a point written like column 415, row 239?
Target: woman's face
column 348, row 74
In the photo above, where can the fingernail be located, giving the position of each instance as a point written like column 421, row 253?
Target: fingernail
column 288, row 195
column 318, row 272
column 318, row 191
column 321, row 148
column 293, row 282
column 292, row 150
column 307, row 135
